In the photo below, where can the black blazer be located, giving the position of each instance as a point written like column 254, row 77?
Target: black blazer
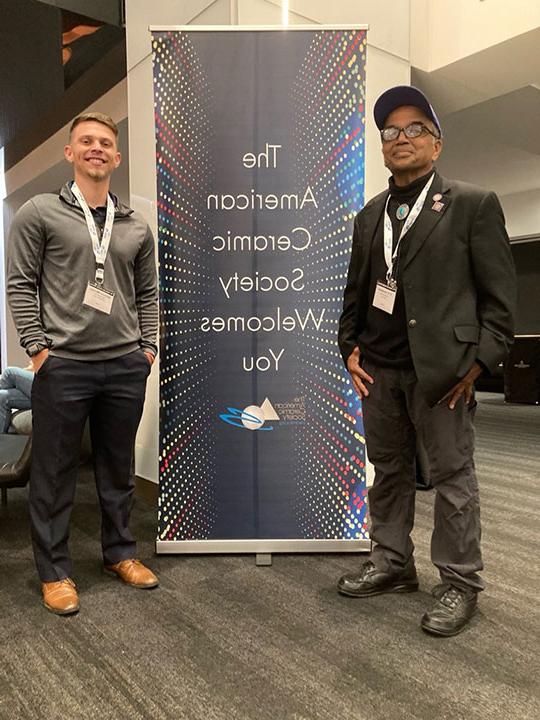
column 458, row 280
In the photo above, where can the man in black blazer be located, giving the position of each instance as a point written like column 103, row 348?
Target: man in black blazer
column 428, row 307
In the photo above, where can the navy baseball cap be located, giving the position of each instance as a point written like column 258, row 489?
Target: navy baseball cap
column 403, row 95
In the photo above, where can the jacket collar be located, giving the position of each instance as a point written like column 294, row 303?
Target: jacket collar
column 425, row 222
column 430, row 215
column 120, row 210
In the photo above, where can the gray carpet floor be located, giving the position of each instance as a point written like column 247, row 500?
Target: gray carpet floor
column 222, row 638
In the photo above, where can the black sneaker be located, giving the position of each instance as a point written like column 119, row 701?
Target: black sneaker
column 451, row 613
column 372, row 581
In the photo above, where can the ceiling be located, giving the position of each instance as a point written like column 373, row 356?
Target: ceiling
column 489, row 106
column 489, row 102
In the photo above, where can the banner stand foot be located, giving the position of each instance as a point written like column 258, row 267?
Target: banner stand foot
column 262, row 559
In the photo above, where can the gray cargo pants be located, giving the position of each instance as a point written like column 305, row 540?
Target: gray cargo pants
column 394, row 414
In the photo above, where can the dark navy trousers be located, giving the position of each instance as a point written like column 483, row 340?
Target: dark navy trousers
column 65, row 394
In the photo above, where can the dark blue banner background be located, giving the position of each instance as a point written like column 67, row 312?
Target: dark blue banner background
column 252, row 446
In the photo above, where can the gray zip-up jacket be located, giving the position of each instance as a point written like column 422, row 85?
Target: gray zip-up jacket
column 51, row 262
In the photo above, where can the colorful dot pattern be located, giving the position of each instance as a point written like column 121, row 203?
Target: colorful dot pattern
column 328, row 101
column 187, row 472
column 329, row 467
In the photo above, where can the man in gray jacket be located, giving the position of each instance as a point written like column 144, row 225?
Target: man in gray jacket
column 428, row 307
column 83, row 294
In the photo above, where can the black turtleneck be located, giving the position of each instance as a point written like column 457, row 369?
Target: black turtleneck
column 384, row 339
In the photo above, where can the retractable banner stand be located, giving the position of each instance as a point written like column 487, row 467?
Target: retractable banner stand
column 260, row 171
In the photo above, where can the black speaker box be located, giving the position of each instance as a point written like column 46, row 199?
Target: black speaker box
column 522, row 371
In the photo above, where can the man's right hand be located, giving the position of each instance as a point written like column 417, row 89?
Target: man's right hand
column 38, row 359
column 359, row 376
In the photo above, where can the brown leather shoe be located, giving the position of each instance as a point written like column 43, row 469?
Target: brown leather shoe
column 60, row 596
column 134, row 573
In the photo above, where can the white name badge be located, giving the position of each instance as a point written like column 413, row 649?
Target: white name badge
column 98, row 298
column 385, row 297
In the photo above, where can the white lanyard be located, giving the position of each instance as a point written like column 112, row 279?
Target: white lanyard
column 388, row 230
column 100, row 248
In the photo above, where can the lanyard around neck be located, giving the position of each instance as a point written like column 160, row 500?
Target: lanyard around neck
column 100, row 247
column 389, row 256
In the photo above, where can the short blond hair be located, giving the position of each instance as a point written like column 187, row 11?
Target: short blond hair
column 95, row 117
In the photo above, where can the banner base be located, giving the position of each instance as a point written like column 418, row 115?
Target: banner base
column 225, row 547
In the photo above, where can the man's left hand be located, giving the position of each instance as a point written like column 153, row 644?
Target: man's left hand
column 149, row 357
column 464, row 387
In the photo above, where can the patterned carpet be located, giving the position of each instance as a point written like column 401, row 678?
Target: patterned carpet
column 222, row 638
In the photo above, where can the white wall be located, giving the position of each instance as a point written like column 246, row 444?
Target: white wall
column 387, row 64
column 522, row 212
column 479, row 63
column 445, row 31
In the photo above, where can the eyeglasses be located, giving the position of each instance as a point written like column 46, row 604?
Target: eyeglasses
column 413, row 130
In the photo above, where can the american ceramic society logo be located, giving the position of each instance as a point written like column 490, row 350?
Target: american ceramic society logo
column 254, row 417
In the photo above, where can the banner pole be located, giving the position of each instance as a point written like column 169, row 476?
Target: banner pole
column 284, row 12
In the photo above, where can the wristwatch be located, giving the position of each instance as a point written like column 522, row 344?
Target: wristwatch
column 35, row 348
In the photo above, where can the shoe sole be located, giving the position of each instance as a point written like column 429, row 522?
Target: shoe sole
column 395, row 589
column 61, row 612
column 443, row 633
column 135, row 585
